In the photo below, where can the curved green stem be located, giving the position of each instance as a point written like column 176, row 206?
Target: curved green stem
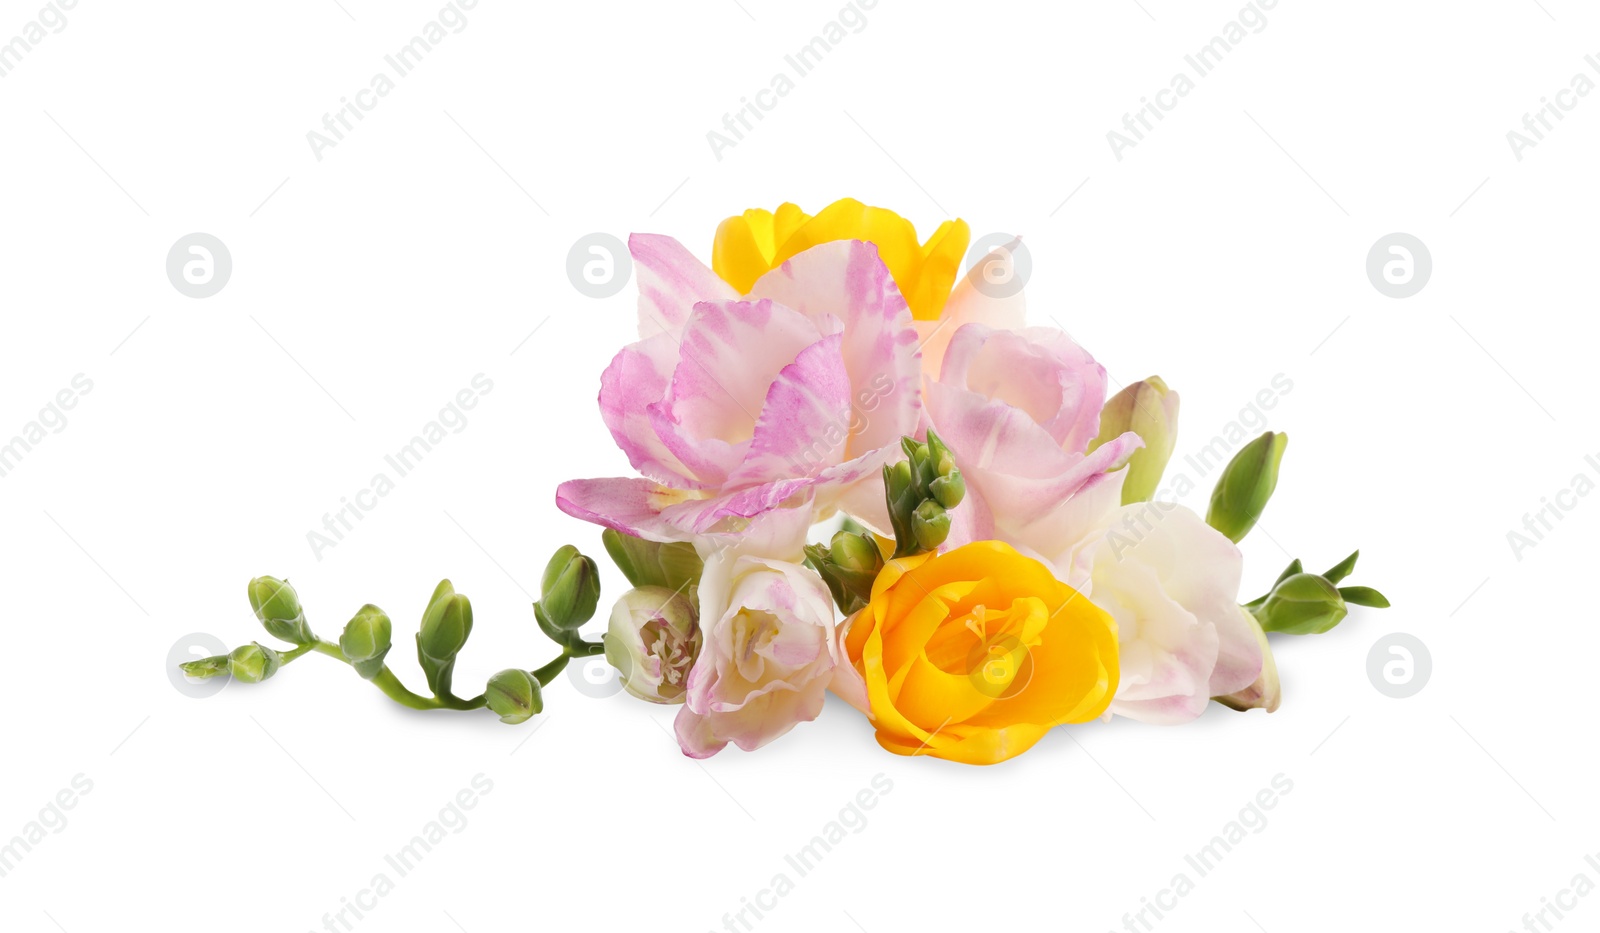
column 291, row 654
column 389, row 683
column 548, row 673
column 582, row 649
column 396, row 691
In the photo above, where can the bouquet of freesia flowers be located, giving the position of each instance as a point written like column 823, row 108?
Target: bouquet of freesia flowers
column 999, row 566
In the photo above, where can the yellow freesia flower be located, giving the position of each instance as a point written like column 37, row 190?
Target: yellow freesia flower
column 974, row 654
column 751, row 244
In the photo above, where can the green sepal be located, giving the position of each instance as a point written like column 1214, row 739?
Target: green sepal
column 1364, row 596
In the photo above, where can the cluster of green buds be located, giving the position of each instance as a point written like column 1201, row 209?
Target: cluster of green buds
column 849, row 565
column 920, row 491
column 569, row 592
column 1302, row 603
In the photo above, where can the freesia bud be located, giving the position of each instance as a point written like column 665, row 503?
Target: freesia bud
column 1245, row 486
column 897, row 479
column 930, row 523
column 653, row 640
column 514, row 696
column 205, row 668
column 652, row 563
column 848, row 565
column 570, row 590
column 1301, row 604
column 253, row 663
column 855, row 552
column 446, row 625
column 365, row 641
column 1149, row 409
column 949, row 489
column 1266, row 693
column 277, row 605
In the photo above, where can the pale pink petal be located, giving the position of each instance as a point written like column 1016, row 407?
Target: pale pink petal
column 628, row 504
column 671, row 280
column 703, row 516
column 847, row 281
column 730, row 353
column 805, row 420
column 778, row 533
column 1041, row 371
column 855, row 488
column 1014, row 468
column 635, row 380
column 969, row 304
column 847, row 681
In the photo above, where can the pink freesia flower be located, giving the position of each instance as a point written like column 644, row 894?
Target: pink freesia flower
column 732, row 405
column 769, row 651
column 1018, row 409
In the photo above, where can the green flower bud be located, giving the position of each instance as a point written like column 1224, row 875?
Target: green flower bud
column 1301, row 604
column 514, row 696
column 1245, row 486
column 653, row 640
column 1266, row 693
column 949, row 489
column 570, row 589
column 206, row 668
column 930, row 524
column 1150, row 410
column 365, row 641
column 445, row 626
column 855, row 553
column 277, row 605
column 253, row 663
column 849, row 565
column 897, row 481
column 943, row 460
column 651, row 563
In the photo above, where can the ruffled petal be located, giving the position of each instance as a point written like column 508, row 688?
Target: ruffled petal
column 636, row 379
column 670, row 282
column 805, row 420
column 730, row 354
column 848, row 282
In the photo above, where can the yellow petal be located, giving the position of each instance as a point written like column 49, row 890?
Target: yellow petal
column 941, row 262
column 743, row 248
column 751, row 244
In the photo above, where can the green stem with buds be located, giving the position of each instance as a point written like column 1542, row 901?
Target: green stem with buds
column 387, row 681
column 570, row 591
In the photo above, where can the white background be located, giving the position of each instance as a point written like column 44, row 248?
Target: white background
column 370, row 286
